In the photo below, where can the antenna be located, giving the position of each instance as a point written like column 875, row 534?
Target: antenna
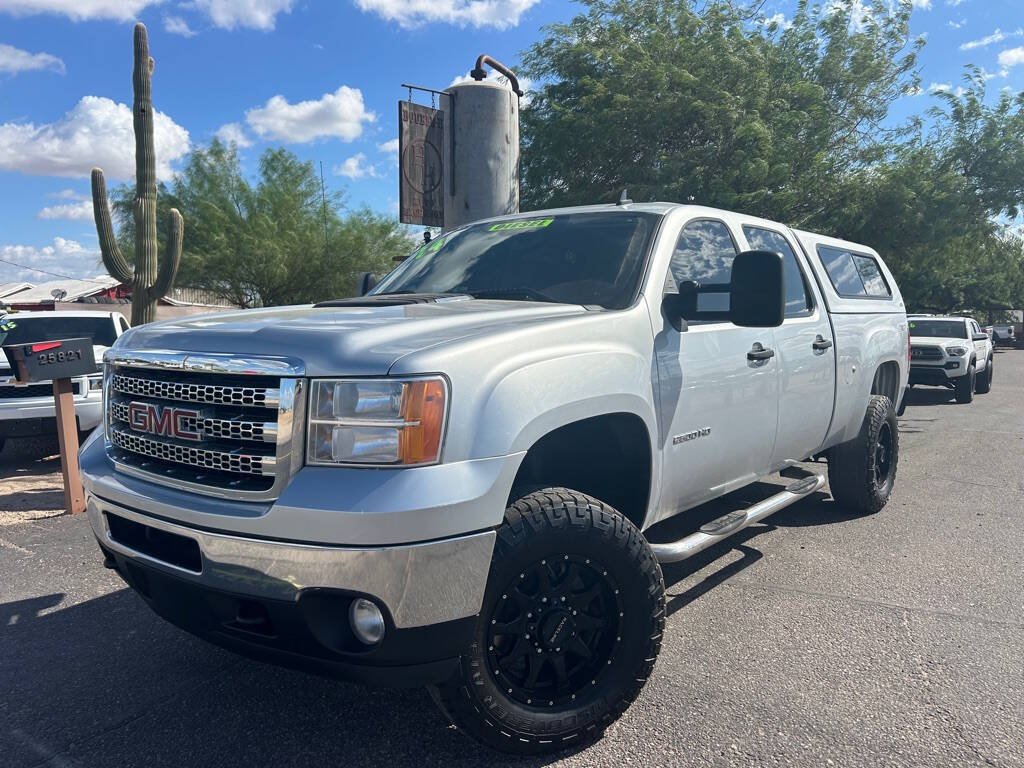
column 624, row 198
column 323, row 198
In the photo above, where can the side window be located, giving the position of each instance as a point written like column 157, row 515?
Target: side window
column 798, row 298
column 852, row 274
column 124, row 324
column 705, row 253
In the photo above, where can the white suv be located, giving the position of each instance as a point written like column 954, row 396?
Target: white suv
column 950, row 352
column 28, row 411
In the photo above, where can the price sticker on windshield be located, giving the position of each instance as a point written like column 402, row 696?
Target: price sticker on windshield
column 518, row 224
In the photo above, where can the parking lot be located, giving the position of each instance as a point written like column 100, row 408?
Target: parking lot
column 814, row 639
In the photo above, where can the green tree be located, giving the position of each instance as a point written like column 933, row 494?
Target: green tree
column 262, row 243
column 687, row 105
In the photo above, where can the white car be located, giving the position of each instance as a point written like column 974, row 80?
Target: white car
column 951, row 352
column 1004, row 334
column 28, row 410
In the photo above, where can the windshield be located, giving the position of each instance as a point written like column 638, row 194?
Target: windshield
column 581, row 258
column 30, row 329
column 939, row 329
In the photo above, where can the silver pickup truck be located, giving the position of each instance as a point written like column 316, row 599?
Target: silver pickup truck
column 448, row 481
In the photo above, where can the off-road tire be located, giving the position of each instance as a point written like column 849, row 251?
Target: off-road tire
column 964, row 387
column 856, row 477
column 559, row 527
column 983, row 383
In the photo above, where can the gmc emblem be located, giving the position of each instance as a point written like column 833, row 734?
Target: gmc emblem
column 167, row 421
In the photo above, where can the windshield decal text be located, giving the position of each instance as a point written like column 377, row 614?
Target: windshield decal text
column 520, row 224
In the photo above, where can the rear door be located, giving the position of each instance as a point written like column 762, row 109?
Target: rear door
column 719, row 408
column 805, row 350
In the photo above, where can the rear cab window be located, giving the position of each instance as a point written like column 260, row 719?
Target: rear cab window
column 854, row 275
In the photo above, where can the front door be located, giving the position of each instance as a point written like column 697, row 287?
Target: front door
column 806, row 355
column 718, row 406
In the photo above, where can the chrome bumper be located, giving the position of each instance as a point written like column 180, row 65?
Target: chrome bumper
column 419, row 584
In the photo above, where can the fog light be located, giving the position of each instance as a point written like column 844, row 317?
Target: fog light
column 367, row 621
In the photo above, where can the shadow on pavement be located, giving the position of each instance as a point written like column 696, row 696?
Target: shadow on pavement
column 106, row 682
column 816, row 509
column 931, row 396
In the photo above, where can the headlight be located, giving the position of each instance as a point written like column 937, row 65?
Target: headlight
column 956, row 351
column 376, row 421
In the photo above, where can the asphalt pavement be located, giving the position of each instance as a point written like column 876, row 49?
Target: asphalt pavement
column 815, row 639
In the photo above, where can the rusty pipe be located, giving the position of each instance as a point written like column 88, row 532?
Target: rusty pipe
column 479, row 73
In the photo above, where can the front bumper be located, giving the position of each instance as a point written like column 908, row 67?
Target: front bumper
column 288, row 603
column 36, row 416
column 938, row 374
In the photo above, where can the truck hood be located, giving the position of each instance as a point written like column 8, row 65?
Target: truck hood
column 935, row 341
column 332, row 341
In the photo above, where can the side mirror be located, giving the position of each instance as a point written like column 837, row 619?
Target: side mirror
column 366, row 283
column 757, row 294
column 980, row 337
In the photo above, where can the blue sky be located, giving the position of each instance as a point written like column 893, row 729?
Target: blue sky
column 318, row 76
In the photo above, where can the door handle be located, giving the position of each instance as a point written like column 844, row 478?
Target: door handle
column 758, row 352
column 821, row 344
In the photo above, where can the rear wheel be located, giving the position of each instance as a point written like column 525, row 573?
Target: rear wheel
column 569, row 629
column 964, row 386
column 862, row 471
column 983, row 383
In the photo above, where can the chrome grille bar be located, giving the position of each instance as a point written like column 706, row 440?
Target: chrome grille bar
column 237, row 461
column 211, row 427
column 214, row 394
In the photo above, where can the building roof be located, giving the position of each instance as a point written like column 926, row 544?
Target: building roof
column 9, row 289
column 74, row 290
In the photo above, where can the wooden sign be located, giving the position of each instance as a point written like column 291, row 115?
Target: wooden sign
column 421, row 165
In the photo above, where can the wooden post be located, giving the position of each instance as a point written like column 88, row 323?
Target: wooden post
column 67, row 434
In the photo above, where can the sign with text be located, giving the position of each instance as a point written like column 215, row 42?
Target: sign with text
column 421, row 165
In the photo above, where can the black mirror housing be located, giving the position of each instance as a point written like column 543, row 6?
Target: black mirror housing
column 366, row 283
column 757, row 296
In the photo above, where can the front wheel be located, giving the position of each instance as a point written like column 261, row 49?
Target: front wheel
column 862, row 471
column 569, row 629
column 983, row 383
column 964, row 387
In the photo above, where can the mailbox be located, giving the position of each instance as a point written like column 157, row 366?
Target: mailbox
column 59, row 361
column 51, row 360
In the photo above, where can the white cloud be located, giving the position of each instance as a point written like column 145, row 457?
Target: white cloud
column 501, row 14
column 356, row 167
column 923, row 4
column 79, row 10
column 15, row 60
column 251, row 14
column 334, row 115
column 176, row 25
column 996, row 37
column 955, row 3
column 69, row 211
column 956, row 24
column 1011, row 57
column 946, row 88
column 389, row 147
column 778, row 19
column 68, row 194
column 233, row 133
column 97, row 131
column 64, row 257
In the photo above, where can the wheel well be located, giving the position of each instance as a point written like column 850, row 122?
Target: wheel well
column 887, row 381
column 607, row 457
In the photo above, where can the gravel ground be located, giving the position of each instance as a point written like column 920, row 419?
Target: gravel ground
column 816, row 639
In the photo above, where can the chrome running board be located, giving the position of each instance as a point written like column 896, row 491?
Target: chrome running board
column 804, row 483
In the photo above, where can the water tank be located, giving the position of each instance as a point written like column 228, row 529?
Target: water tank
column 483, row 174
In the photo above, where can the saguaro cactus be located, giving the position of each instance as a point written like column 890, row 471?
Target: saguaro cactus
column 152, row 277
